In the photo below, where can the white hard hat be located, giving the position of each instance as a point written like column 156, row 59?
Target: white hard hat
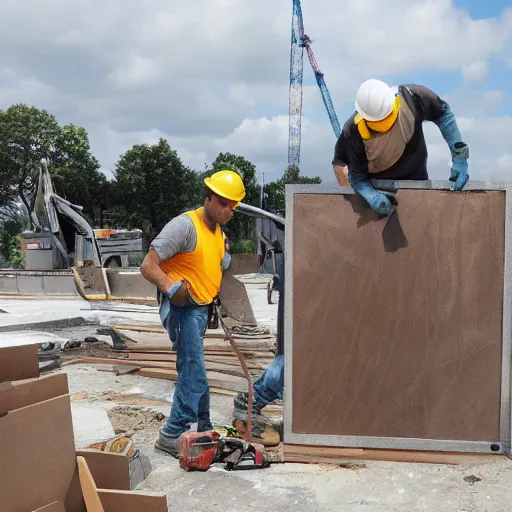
column 374, row 100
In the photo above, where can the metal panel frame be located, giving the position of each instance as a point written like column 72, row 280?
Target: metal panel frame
column 495, row 446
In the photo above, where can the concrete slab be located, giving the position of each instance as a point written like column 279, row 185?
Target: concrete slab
column 36, row 310
column 17, row 338
column 256, row 286
column 30, row 311
column 90, row 425
column 129, row 283
column 364, row 487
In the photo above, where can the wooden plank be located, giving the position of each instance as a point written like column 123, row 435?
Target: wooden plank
column 161, row 340
column 322, row 454
column 132, row 501
column 217, row 367
column 91, row 497
column 140, row 328
column 215, row 379
column 228, row 360
column 109, row 470
column 225, row 352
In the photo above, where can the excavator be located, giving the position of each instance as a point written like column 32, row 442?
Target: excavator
column 63, row 237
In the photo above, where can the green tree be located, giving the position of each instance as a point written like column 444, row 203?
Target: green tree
column 275, row 190
column 27, row 135
column 152, row 185
column 76, row 175
column 241, row 227
column 10, row 248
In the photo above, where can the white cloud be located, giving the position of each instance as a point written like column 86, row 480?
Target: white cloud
column 212, row 75
column 475, row 72
column 135, row 72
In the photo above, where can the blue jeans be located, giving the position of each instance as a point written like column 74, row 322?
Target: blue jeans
column 191, row 402
column 269, row 386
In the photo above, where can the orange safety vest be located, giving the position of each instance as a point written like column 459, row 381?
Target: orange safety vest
column 202, row 267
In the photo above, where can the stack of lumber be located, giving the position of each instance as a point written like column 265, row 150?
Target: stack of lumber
column 149, row 354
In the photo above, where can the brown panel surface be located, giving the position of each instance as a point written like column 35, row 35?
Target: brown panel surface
column 24, row 393
column 109, row 470
column 56, row 506
column 138, row 501
column 19, row 362
column 397, row 322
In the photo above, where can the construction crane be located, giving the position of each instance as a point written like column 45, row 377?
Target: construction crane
column 299, row 41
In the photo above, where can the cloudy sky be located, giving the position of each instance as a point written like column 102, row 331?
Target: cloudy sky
column 212, row 75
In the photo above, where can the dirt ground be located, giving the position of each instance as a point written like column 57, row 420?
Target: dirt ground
column 139, row 405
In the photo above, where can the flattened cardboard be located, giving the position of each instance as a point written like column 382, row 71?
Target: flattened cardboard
column 134, row 501
column 15, row 395
column 109, row 470
column 56, row 506
column 37, row 446
column 18, row 363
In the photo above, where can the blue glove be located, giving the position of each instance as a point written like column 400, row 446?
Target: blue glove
column 459, row 172
column 376, row 200
column 460, row 151
column 226, row 261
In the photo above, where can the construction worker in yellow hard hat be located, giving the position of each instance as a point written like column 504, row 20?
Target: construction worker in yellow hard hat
column 384, row 139
column 185, row 262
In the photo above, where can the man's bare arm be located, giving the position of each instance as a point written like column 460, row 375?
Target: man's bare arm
column 152, row 272
column 341, row 173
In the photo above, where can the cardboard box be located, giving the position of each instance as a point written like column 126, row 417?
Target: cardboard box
column 18, row 394
column 38, row 458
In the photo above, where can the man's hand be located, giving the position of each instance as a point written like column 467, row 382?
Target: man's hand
column 459, row 171
column 178, row 294
column 377, row 201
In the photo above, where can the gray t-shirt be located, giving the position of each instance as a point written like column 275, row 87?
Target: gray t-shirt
column 179, row 235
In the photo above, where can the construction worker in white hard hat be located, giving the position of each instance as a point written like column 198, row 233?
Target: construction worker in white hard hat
column 384, row 139
column 185, row 262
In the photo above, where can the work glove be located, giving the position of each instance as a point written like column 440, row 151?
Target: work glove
column 460, row 151
column 377, row 201
column 178, row 293
column 459, row 172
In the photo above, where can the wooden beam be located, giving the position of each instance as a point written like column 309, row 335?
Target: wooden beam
column 323, row 454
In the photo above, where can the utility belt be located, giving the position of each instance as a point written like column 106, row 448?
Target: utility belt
column 213, row 308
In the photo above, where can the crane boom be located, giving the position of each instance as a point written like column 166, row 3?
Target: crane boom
column 320, row 80
column 299, row 41
column 295, row 95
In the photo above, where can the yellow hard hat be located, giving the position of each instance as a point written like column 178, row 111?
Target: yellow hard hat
column 227, row 184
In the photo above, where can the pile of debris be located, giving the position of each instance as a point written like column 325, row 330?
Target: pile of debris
column 145, row 350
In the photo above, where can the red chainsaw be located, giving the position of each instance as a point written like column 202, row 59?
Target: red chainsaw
column 199, row 450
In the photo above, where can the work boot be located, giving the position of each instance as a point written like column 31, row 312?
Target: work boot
column 204, row 425
column 170, row 445
column 262, row 428
column 241, row 402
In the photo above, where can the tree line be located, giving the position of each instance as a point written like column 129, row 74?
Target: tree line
column 150, row 184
